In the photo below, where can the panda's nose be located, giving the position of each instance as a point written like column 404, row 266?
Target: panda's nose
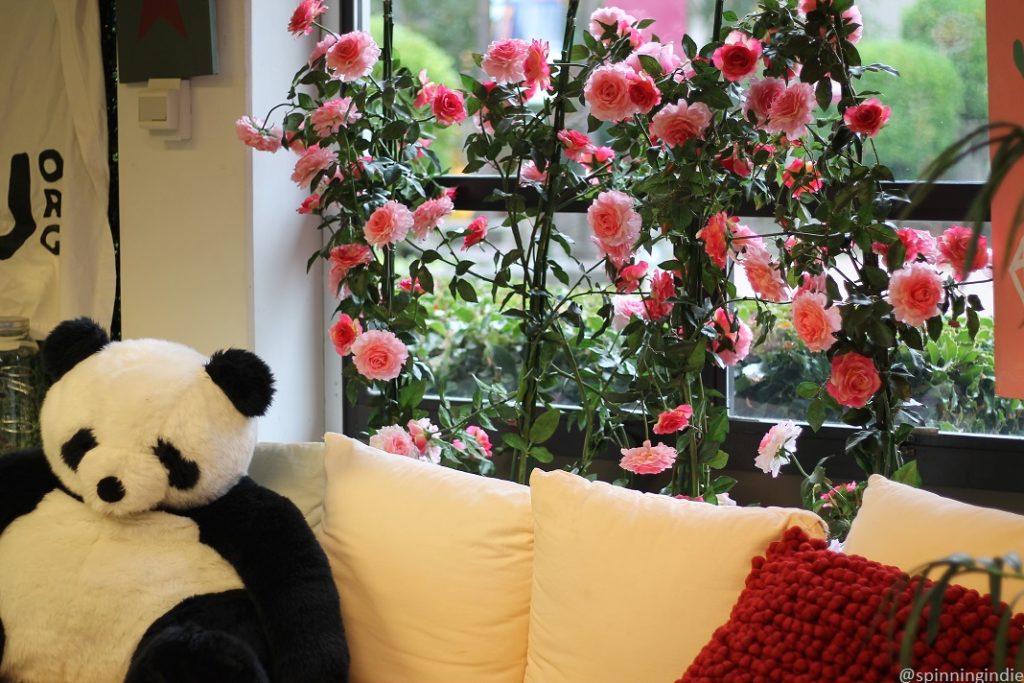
column 110, row 489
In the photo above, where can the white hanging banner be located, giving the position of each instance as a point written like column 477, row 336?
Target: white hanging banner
column 56, row 251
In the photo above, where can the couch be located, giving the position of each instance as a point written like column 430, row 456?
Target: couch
column 448, row 577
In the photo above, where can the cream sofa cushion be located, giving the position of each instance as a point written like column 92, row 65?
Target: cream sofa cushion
column 628, row 587
column 433, row 567
column 296, row 471
column 907, row 527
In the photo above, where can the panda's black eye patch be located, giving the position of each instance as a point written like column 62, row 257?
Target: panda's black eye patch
column 183, row 474
column 75, row 448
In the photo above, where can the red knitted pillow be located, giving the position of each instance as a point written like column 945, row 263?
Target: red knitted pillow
column 809, row 615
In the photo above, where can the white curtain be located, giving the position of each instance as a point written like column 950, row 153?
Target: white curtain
column 56, row 251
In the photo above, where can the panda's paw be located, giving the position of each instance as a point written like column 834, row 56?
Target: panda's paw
column 189, row 653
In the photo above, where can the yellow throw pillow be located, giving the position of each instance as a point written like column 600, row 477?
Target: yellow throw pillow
column 433, row 567
column 628, row 587
column 907, row 527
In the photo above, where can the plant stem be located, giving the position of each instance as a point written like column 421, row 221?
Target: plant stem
column 388, row 284
column 719, row 11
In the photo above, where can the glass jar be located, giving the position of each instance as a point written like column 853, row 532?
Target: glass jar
column 19, row 386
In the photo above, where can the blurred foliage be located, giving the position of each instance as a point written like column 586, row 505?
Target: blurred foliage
column 927, row 101
column 956, row 28
column 451, row 23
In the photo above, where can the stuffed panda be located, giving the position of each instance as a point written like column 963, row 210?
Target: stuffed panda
column 134, row 548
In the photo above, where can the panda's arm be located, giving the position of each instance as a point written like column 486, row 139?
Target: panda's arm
column 265, row 538
column 25, row 477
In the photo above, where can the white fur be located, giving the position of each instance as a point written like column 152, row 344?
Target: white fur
column 131, row 394
column 78, row 588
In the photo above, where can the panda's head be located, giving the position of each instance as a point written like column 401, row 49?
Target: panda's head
column 135, row 425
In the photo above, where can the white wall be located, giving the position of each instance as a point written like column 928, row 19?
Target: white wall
column 212, row 251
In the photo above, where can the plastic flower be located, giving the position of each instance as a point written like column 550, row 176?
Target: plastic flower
column 536, row 70
column 739, row 57
column 647, row 459
column 624, row 308
column 301, row 23
column 630, row 277
column 614, row 223
column 424, row 437
column 333, row 114
column 312, row 161
column 854, row 380
column 253, row 133
column 740, row 338
column 344, row 332
column 675, row 124
column 388, row 224
column 607, row 92
column 714, row 234
column 379, row 354
column 764, row 275
column 481, row 437
column 575, row 144
column 430, row 215
column 675, row 420
column 815, row 324
column 505, row 60
column 343, row 259
column 777, row 447
column 394, row 440
column 792, row 110
column 915, row 292
column 867, row 118
column 477, row 232
column 448, row 106
column 954, row 244
column 352, row 56
column 663, row 288
column 802, row 176
column 309, row 204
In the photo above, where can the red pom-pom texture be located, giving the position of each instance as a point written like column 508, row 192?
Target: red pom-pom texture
column 809, row 615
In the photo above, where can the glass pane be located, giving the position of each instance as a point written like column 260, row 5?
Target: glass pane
column 957, row 396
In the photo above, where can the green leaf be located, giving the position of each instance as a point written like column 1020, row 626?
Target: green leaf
column 394, row 130
column 466, row 291
column 543, row 428
column 973, row 323
column 720, row 460
column 807, row 389
column 695, row 361
column 908, row 475
column 816, row 414
column 541, row 454
column 934, row 328
column 651, row 65
column 515, row 441
column 1018, row 56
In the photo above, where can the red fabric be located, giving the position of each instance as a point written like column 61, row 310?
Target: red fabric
column 809, row 615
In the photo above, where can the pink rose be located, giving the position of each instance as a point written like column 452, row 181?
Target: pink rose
column 394, row 440
column 427, row 91
column 815, row 284
column 867, row 118
column 613, row 220
column 388, row 225
column 448, row 106
column 536, row 69
column 739, row 338
column 430, row 215
column 742, row 239
column 915, row 243
column 663, row 53
column 607, row 92
column 481, row 437
column 608, row 16
column 738, row 58
column 736, row 163
column 760, row 97
column 815, row 324
column 915, row 292
column 322, row 47
column 379, row 354
column 854, row 380
column 352, row 56
column 676, row 123
column 476, row 232
column 505, row 60
column 344, row 333
column 663, row 288
column 314, row 160
column 301, row 23
column 617, row 254
column 254, row 134
column 675, row 420
column 424, row 436
column 803, row 176
column 343, row 259
column 764, row 276
column 603, row 154
column 531, row 174
column 309, row 204
column 954, row 244
column 575, row 143
column 643, row 92
column 333, row 114
column 715, row 237
column 792, row 110
column 630, row 277
column 647, row 459
column 624, row 308
column 411, row 285
column 777, row 446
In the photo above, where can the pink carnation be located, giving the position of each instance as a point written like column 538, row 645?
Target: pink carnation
column 739, row 57
column 394, row 440
column 739, row 338
column 607, row 92
column 352, row 56
column 675, row 420
column 630, row 277
column 613, row 220
column 792, row 110
column 322, row 47
column 536, row 69
column 379, row 354
column 309, row 204
column 481, row 437
column 448, row 106
column 760, row 97
column 253, row 133
column 389, row 224
column 333, row 114
column 314, row 160
column 647, row 459
column 344, row 333
column 915, row 243
column 575, row 143
column 301, row 23
column 764, row 276
column 854, row 380
column 430, row 215
column 676, row 123
column 476, row 232
column 777, row 446
column 343, row 259
column 953, row 247
column 625, row 308
column 715, row 237
column 424, row 437
column 867, row 118
column 608, row 16
column 915, row 292
column 531, row 174
column 505, row 60
column 815, row 324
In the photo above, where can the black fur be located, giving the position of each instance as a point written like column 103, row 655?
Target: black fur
column 25, row 478
column 183, row 474
column 75, row 448
column 264, row 537
column 69, row 344
column 244, row 378
column 211, row 638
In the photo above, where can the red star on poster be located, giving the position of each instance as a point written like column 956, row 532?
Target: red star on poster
column 168, row 10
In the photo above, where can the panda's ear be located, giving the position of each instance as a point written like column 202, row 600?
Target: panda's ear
column 244, row 378
column 69, row 344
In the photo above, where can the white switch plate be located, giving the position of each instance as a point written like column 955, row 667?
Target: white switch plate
column 165, row 108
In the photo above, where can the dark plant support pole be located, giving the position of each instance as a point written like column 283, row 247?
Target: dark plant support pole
column 538, row 298
column 719, row 11
column 388, row 286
